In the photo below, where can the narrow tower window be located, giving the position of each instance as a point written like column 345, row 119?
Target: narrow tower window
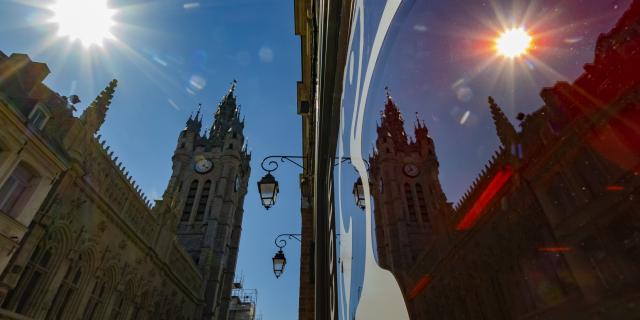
column 204, row 197
column 190, row 199
column 66, row 292
column 411, row 206
column 35, row 273
column 119, row 306
column 422, row 203
column 96, row 300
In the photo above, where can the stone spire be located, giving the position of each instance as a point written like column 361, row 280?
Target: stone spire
column 94, row 115
column 506, row 131
column 420, row 129
column 392, row 124
column 195, row 123
column 226, row 116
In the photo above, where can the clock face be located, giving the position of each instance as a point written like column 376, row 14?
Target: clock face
column 203, row 165
column 411, row 170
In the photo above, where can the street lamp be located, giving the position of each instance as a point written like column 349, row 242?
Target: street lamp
column 358, row 193
column 268, row 188
column 279, row 261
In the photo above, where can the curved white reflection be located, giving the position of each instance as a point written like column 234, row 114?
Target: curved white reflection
column 379, row 287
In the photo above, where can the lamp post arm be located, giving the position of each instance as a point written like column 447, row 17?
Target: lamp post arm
column 281, row 243
column 269, row 162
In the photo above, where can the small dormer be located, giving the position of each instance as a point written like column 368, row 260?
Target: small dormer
column 39, row 116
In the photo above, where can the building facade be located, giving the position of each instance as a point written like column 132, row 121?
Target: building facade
column 80, row 240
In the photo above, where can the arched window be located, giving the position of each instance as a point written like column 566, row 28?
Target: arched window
column 191, row 196
column 17, row 189
column 137, row 307
column 66, row 292
column 145, row 305
column 33, row 277
column 96, row 300
column 119, row 305
column 204, row 197
column 411, row 206
column 422, row 203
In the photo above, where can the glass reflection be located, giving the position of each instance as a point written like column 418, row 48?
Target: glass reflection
column 512, row 192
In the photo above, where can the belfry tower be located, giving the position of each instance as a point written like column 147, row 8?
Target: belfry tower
column 410, row 207
column 207, row 190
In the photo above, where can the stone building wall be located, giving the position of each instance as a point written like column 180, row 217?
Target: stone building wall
column 91, row 245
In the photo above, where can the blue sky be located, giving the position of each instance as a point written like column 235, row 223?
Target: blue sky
column 167, row 59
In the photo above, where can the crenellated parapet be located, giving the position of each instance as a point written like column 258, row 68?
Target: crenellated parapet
column 110, row 178
column 498, row 161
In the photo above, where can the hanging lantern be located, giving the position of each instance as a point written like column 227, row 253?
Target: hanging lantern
column 358, row 193
column 279, row 261
column 268, row 189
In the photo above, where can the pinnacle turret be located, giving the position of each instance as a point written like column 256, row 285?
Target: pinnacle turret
column 505, row 130
column 194, row 124
column 94, row 115
column 227, row 117
column 420, row 129
column 392, row 124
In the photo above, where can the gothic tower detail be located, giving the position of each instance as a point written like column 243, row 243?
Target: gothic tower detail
column 409, row 205
column 93, row 117
column 207, row 190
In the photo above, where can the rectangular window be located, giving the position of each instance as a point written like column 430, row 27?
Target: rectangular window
column 38, row 117
column 15, row 189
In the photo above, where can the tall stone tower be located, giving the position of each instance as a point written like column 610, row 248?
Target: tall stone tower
column 409, row 206
column 207, row 190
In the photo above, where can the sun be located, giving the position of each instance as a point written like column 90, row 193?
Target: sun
column 513, row 42
column 89, row 21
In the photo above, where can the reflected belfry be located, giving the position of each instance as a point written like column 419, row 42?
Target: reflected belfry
column 410, row 208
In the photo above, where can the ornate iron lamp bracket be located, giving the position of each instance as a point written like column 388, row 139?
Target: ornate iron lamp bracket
column 281, row 243
column 270, row 164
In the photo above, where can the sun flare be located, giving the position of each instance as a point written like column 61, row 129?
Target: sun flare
column 513, row 43
column 89, row 21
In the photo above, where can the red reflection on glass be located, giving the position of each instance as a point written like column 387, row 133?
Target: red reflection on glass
column 419, row 287
column 554, row 249
column 615, row 188
column 605, row 86
column 485, row 198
